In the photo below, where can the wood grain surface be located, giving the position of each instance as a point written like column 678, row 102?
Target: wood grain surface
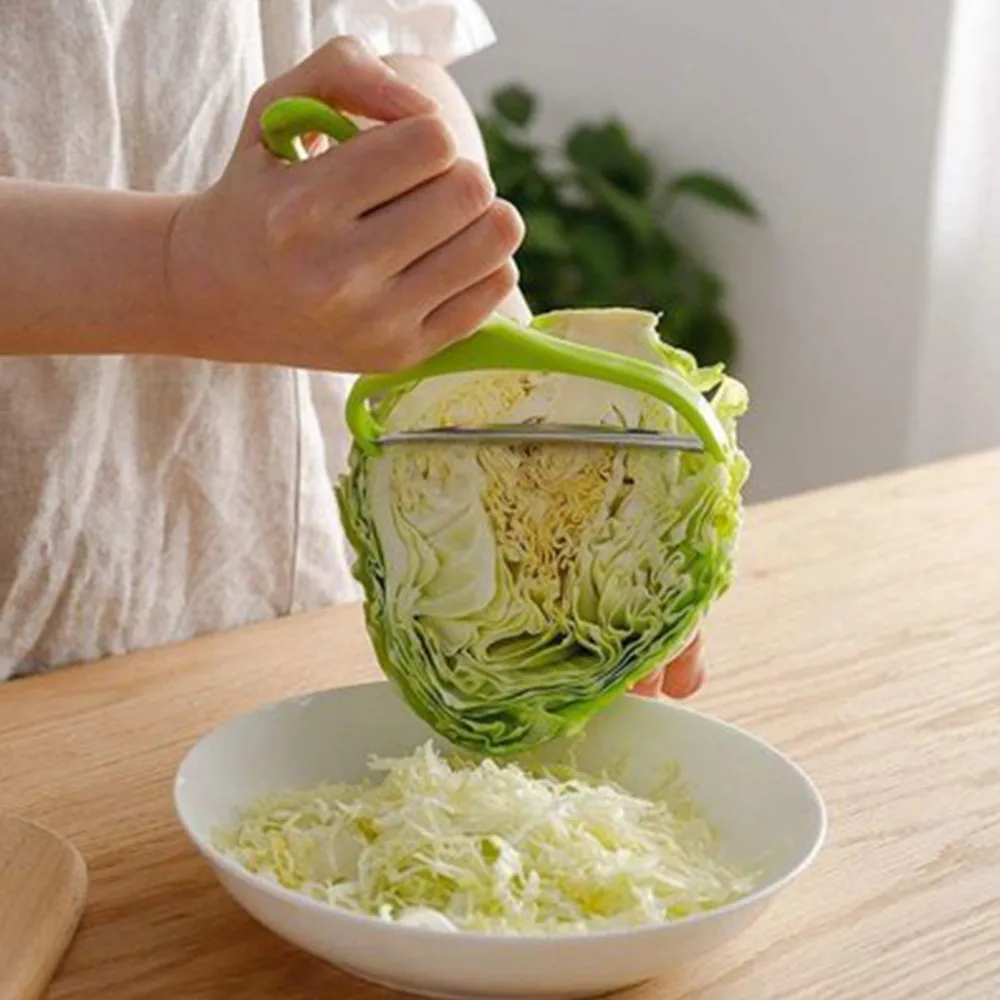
column 43, row 887
column 862, row 637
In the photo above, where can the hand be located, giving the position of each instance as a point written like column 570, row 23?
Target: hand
column 371, row 257
column 680, row 678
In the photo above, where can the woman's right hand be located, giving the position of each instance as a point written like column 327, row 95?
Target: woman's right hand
column 370, row 257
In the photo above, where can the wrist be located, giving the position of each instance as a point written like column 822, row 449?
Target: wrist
column 187, row 280
column 83, row 271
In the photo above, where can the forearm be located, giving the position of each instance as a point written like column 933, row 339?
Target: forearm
column 82, row 270
column 437, row 83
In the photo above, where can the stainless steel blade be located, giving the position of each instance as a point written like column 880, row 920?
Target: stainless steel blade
column 547, row 434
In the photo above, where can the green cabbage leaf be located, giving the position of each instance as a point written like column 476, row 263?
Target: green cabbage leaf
column 512, row 591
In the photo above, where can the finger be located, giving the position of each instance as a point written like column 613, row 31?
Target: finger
column 651, row 685
column 347, row 75
column 408, row 228
column 357, row 177
column 684, row 675
column 477, row 251
column 463, row 313
column 315, row 143
column 377, row 166
column 682, row 682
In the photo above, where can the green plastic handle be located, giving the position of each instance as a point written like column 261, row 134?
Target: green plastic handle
column 284, row 122
column 502, row 344
column 497, row 345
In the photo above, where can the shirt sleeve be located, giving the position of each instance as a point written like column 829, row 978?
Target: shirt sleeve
column 443, row 30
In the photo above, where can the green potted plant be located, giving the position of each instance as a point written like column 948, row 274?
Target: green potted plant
column 599, row 224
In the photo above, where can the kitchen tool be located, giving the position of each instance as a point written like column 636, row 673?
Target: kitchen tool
column 766, row 810
column 500, row 344
column 43, row 888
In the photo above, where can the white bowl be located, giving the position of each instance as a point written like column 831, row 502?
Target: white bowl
column 765, row 808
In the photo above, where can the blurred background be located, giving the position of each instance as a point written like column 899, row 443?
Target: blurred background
column 813, row 189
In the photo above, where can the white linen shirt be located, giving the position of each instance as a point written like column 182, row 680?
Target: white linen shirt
column 144, row 500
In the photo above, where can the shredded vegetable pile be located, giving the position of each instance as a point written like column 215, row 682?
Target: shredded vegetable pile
column 488, row 847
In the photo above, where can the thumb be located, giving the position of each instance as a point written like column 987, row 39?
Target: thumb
column 348, row 75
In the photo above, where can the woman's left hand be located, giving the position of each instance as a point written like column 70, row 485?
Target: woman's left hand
column 680, row 678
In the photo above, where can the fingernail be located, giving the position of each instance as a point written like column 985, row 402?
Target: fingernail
column 649, row 685
column 683, row 682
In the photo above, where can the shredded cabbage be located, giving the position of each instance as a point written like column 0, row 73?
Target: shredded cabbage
column 477, row 845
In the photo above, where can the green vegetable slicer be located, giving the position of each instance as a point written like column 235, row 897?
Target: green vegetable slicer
column 500, row 344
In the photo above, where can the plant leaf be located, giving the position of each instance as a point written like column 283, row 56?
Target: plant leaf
column 512, row 164
column 597, row 226
column 545, row 232
column 515, row 104
column 713, row 339
column 601, row 258
column 714, row 190
column 630, row 211
column 606, row 149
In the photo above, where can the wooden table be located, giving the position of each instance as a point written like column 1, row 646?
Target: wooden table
column 863, row 637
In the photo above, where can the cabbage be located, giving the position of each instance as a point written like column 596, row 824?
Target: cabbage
column 458, row 845
column 513, row 591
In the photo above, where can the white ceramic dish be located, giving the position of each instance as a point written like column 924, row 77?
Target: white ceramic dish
column 766, row 810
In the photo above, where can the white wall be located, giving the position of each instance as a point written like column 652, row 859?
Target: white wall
column 827, row 111
column 955, row 400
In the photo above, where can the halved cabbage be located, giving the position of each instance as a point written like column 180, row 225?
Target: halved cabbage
column 513, row 591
